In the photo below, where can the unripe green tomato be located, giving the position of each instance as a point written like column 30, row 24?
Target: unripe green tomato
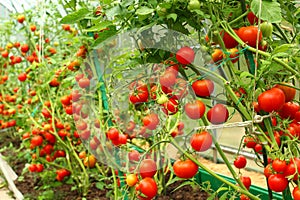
column 266, row 28
column 162, row 99
column 194, row 5
column 161, row 11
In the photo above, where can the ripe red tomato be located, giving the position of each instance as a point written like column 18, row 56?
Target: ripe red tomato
column 33, row 28
column 81, row 125
column 113, row 134
column 134, row 156
column 296, row 193
column 250, row 142
column 185, row 168
column 195, row 110
column 218, row 114
column 147, row 168
column 246, row 180
column 240, row 162
column 203, row 88
column 167, row 79
column 249, row 35
column 252, row 18
column 65, row 100
column 22, row 77
column 185, row 55
column 36, row 140
column 277, row 182
column 139, row 95
column 25, row 48
column 171, row 106
column 151, row 121
column 228, row 40
column 32, row 168
column 271, row 100
column 84, row 82
column 147, row 187
column 258, row 148
column 268, row 171
column 289, row 110
column 201, row 141
column 289, row 92
column 39, row 167
column 244, row 197
column 292, row 168
column 278, row 165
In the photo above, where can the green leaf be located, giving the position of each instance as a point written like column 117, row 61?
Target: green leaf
column 283, row 48
column 172, row 16
column 99, row 26
column 270, row 10
column 144, row 10
column 224, row 196
column 75, row 16
column 100, row 185
column 105, row 35
column 116, row 10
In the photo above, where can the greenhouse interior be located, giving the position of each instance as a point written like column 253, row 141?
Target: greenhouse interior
column 149, row 100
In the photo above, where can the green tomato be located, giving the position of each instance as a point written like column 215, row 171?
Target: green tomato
column 161, row 11
column 194, row 5
column 266, row 28
column 162, row 99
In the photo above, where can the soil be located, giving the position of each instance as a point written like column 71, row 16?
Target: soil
column 29, row 183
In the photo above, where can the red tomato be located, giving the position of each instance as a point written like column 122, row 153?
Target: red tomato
column 258, row 148
column 244, row 197
column 185, row 55
column 39, row 167
column 134, row 156
column 252, row 18
column 249, row 35
column 277, row 182
column 168, row 79
column 296, row 193
column 228, row 40
column 246, row 180
column 297, row 116
column 113, row 134
column 171, row 106
column 151, row 121
column 278, row 165
column 147, row 168
column 147, row 187
column 84, row 82
column 139, row 95
column 218, row 114
column 32, row 168
column 65, row 100
column 292, row 168
column 271, row 100
column 201, row 141
column 22, row 77
column 289, row 92
column 195, row 110
column 185, row 168
column 24, row 48
column 240, row 162
column 289, row 110
column 268, row 171
column 36, row 140
column 203, row 88
column 250, row 142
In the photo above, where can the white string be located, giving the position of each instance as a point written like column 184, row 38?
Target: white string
column 42, row 22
